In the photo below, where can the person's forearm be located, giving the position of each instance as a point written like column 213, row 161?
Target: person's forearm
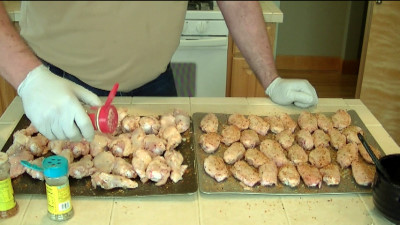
column 246, row 24
column 16, row 58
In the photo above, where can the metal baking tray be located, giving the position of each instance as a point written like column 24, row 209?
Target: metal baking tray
column 208, row 185
column 24, row 184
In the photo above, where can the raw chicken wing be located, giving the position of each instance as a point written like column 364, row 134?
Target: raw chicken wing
column 154, row 144
column 347, row 154
column 172, row 136
column 216, row 168
column 67, row 153
column 209, row 123
column 158, row 171
column 230, row 134
column 140, row 161
column 320, row 138
column 38, row 145
column 275, row 124
column 15, row 158
column 130, row 123
column 239, row 120
column 79, row 148
column 137, row 139
column 123, row 168
column 110, row 181
column 150, row 124
column 330, row 174
column 273, row 150
column 34, row 173
column 167, row 120
column 289, row 175
column 249, row 138
column 268, row 173
column 256, row 158
column 182, row 120
column 319, row 157
column 99, row 144
column 82, row 168
column 122, row 145
column 174, row 160
column 104, row 162
column 210, row 142
column 305, row 139
column 310, row 175
column 341, row 119
column 234, row 153
column 363, row 173
column 307, row 121
column 297, row 155
column 245, row 173
column 258, row 124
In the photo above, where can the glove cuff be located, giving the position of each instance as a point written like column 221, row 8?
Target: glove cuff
column 31, row 75
column 271, row 86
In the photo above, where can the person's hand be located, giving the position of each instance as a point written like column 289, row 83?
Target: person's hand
column 292, row 91
column 52, row 105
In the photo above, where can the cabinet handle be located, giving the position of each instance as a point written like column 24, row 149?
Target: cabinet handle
column 378, row 2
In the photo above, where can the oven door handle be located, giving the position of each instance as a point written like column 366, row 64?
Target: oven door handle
column 209, row 42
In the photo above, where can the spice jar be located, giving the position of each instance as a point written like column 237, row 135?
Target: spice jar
column 8, row 205
column 55, row 170
column 104, row 118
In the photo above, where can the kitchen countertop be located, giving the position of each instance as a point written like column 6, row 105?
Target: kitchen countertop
column 199, row 208
column 271, row 12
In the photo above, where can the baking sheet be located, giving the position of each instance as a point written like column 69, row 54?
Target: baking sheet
column 210, row 186
column 24, row 184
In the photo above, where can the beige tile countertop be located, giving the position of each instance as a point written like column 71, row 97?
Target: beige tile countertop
column 271, row 12
column 199, row 208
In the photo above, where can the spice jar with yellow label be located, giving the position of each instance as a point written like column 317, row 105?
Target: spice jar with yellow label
column 8, row 205
column 55, row 170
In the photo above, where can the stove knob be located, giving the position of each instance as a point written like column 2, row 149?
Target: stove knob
column 201, row 27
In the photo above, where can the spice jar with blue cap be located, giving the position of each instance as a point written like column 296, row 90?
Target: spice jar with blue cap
column 55, row 171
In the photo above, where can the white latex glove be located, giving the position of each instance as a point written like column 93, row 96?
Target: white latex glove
column 52, row 105
column 292, row 91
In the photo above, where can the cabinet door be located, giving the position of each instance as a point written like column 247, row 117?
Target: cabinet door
column 241, row 81
column 244, row 83
column 379, row 78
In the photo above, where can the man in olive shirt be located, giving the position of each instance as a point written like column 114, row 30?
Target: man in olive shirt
column 92, row 45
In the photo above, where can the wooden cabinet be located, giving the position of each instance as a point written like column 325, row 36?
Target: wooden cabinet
column 379, row 76
column 241, row 81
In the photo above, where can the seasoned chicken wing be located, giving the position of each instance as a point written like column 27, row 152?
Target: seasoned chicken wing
column 275, row 124
column 363, row 173
column 209, row 123
column 321, row 139
column 258, row 124
column 234, row 153
column 289, row 175
column 324, row 123
column 16, row 168
column 319, row 157
column 364, row 154
column 245, row 173
column 154, row 144
column 80, row 148
column 122, row 145
column 256, row 158
column 285, row 138
column 104, row 162
column 216, row 168
column 297, row 155
column 273, row 150
column 182, row 120
column 99, row 144
column 130, row 123
column 351, row 133
column 210, row 142
column 230, row 134
column 310, row 175
column 123, row 168
column 288, row 122
column 337, row 139
column 341, row 119
column 307, row 121
column 330, row 174
column 150, row 124
column 172, row 137
column 347, row 154
column 304, row 139
column 38, row 145
column 249, row 138
column 34, row 173
column 140, row 161
column 268, row 173
column 166, row 120
column 239, row 120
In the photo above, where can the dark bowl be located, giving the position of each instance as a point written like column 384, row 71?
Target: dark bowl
column 386, row 193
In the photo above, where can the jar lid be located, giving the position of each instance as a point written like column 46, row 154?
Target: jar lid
column 107, row 119
column 55, row 166
column 3, row 158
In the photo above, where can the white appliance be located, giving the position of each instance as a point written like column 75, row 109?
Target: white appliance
column 200, row 62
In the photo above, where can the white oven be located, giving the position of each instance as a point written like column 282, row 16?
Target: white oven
column 200, row 62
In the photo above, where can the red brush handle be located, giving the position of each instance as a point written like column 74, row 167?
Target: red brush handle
column 111, row 95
